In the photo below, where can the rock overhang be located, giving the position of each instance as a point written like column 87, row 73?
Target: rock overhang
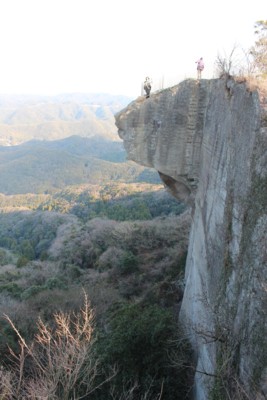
column 165, row 132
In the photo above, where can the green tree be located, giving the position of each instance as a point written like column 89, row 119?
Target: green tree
column 129, row 263
column 27, row 249
column 5, row 258
column 139, row 341
column 22, row 261
column 259, row 50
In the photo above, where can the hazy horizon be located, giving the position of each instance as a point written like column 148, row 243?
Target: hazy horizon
column 75, row 46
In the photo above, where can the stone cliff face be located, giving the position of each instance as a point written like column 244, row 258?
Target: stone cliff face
column 208, row 141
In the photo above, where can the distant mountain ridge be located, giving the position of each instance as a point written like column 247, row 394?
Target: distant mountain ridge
column 50, row 142
column 26, row 117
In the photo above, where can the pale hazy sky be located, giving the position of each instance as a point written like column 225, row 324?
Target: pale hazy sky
column 60, row 46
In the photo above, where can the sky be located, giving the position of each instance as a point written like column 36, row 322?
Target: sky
column 109, row 46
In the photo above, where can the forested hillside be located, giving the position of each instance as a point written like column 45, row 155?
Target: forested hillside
column 121, row 248
column 48, row 166
column 124, row 247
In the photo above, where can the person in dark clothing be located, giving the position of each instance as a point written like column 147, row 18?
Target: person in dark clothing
column 147, row 86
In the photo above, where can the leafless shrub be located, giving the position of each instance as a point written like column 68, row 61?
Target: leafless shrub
column 240, row 66
column 6, row 384
column 237, row 63
column 59, row 364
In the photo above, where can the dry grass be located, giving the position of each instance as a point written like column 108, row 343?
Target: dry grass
column 256, row 83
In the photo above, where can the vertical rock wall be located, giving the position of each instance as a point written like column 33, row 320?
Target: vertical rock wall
column 208, row 141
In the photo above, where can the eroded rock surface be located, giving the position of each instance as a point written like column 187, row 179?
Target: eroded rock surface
column 208, row 141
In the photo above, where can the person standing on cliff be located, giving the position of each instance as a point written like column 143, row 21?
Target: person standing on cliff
column 147, row 86
column 200, row 67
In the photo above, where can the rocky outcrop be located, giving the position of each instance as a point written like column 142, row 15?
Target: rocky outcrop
column 208, row 141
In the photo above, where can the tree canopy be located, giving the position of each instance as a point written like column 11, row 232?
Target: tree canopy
column 259, row 50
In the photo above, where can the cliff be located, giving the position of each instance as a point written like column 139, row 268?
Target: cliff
column 208, row 141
